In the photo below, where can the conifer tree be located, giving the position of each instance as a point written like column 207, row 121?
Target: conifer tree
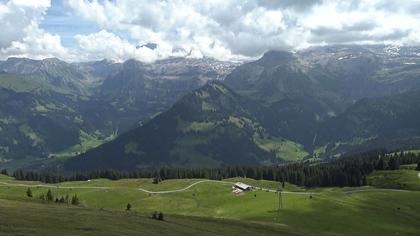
column 29, row 192
column 382, row 164
column 62, row 200
column 157, row 179
column 364, row 183
column 75, row 200
column 394, row 164
column 49, row 195
column 160, row 216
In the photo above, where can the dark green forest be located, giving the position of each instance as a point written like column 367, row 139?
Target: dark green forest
column 347, row 171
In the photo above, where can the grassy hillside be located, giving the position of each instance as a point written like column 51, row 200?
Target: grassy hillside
column 386, row 122
column 22, row 83
column 286, row 106
column 330, row 211
column 208, row 127
column 50, row 108
column 400, row 179
column 215, row 126
column 49, row 219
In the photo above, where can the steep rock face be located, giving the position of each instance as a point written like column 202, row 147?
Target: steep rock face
column 99, row 70
column 337, row 74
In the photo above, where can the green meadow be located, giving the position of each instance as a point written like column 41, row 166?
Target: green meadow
column 209, row 208
column 398, row 179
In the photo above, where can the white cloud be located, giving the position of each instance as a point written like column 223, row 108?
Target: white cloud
column 223, row 29
column 37, row 44
column 107, row 45
column 228, row 29
column 16, row 16
column 91, row 10
column 21, row 35
column 359, row 22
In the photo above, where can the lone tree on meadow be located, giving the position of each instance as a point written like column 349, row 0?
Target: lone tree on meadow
column 160, row 216
column 49, row 195
column 62, row 200
column 157, row 179
column 29, row 192
column 128, row 207
column 75, row 200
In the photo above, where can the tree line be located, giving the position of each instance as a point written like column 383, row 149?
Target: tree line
column 346, row 171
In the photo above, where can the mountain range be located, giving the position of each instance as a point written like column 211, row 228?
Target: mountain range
column 51, row 108
column 317, row 103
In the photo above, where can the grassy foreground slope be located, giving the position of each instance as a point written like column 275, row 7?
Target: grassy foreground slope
column 330, row 211
column 25, row 218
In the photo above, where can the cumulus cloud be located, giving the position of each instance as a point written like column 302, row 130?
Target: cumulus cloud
column 362, row 22
column 223, row 29
column 21, row 35
column 15, row 16
column 105, row 44
column 229, row 29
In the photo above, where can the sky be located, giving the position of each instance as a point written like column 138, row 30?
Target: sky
column 148, row 30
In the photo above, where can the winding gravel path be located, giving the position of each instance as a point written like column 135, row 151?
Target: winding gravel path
column 183, row 189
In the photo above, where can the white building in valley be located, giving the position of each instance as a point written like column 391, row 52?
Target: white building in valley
column 242, row 186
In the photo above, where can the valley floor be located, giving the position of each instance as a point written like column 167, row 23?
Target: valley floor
column 209, row 208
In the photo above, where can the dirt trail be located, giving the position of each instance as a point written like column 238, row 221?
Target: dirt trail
column 183, row 189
